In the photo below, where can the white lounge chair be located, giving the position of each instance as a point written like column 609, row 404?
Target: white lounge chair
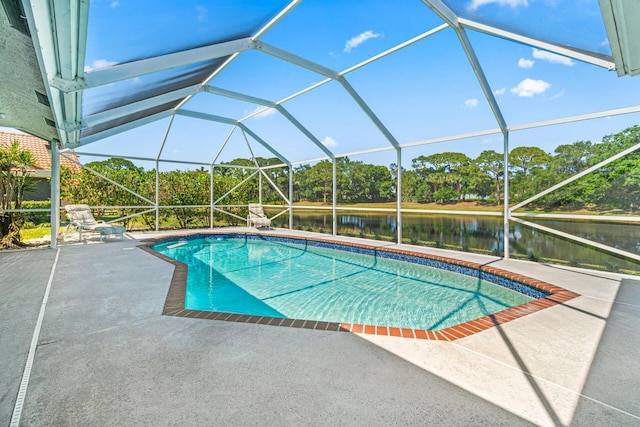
column 256, row 216
column 82, row 219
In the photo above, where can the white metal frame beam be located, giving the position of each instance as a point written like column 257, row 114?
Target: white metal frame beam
column 620, row 20
column 155, row 64
column 582, row 240
column 59, row 36
column 294, row 59
column 333, row 75
column 136, row 107
column 103, row 116
column 579, row 55
column 70, row 86
column 151, row 203
column 572, row 119
column 232, row 122
column 260, row 32
column 124, row 127
column 443, row 11
column 452, row 19
column 205, row 116
column 305, row 131
column 264, row 143
column 577, row 176
column 269, row 104
column 144, row 159
column 224, row 144
column 262, row 173
column 360, row 65
column 55, row 193
column 396, row 48
column 532, row 125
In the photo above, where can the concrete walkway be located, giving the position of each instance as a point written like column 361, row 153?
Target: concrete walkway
column 106, row 356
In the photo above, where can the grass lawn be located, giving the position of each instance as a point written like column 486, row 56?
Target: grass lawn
column 35, row 233
column 472, row 206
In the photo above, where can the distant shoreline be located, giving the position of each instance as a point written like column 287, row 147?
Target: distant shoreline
column 472, row 206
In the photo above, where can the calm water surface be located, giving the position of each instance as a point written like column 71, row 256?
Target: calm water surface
column 299, row 281
column 485, row 234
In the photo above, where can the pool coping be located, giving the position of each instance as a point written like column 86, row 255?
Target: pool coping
column 174, row 303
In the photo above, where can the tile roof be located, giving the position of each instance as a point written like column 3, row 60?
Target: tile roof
column 39, row 149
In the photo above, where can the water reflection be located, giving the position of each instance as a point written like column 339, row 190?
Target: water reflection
column 485, row 235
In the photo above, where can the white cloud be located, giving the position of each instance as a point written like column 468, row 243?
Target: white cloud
column 558, row 95
column 98, row 64
column 530, row 87
column 266, row 113
column 114, row 4
column 525, row 63
column 471, row 103
column 475, row 4
column 359, row 39
column 552, row 57
column 202, row 13
column 329, row 142
column 500, row 91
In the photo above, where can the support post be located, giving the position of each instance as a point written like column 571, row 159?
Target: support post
column 259, row 186
column 164, row 141
column 157, row 195
column 334, row 215
column 55, row 194
column 211, row 196
column 506, row 211
column 399, row 197
column 290, row 197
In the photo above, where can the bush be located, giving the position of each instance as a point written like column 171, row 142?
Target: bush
column 37, row 217
column 445, row 195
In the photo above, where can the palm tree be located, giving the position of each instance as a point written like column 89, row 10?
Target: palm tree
column 15, row 179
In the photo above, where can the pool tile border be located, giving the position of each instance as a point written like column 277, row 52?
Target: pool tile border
column 548, row 295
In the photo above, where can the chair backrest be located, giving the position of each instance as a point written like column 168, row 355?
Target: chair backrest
column 256, row 211
column 80, row 214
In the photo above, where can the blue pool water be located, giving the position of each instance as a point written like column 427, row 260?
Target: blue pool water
column 302, row 281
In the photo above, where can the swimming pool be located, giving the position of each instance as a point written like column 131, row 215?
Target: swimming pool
column 272, row 278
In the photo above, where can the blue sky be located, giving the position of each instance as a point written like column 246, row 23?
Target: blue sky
column 427, row 90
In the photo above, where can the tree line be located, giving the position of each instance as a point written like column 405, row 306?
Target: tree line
column 447, row 178
column 452, row 177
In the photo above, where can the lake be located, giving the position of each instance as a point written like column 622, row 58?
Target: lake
column 483, row 234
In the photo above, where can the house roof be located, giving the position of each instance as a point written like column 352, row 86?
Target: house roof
column 40, row 150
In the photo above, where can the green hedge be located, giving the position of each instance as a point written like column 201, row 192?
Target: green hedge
column 37, row 217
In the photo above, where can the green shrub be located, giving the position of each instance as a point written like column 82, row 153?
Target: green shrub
column 37, row 217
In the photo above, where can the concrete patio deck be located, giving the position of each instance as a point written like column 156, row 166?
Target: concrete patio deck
column 106, row 356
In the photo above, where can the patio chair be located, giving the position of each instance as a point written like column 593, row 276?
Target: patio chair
column 256, row 216
column 82, row 219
